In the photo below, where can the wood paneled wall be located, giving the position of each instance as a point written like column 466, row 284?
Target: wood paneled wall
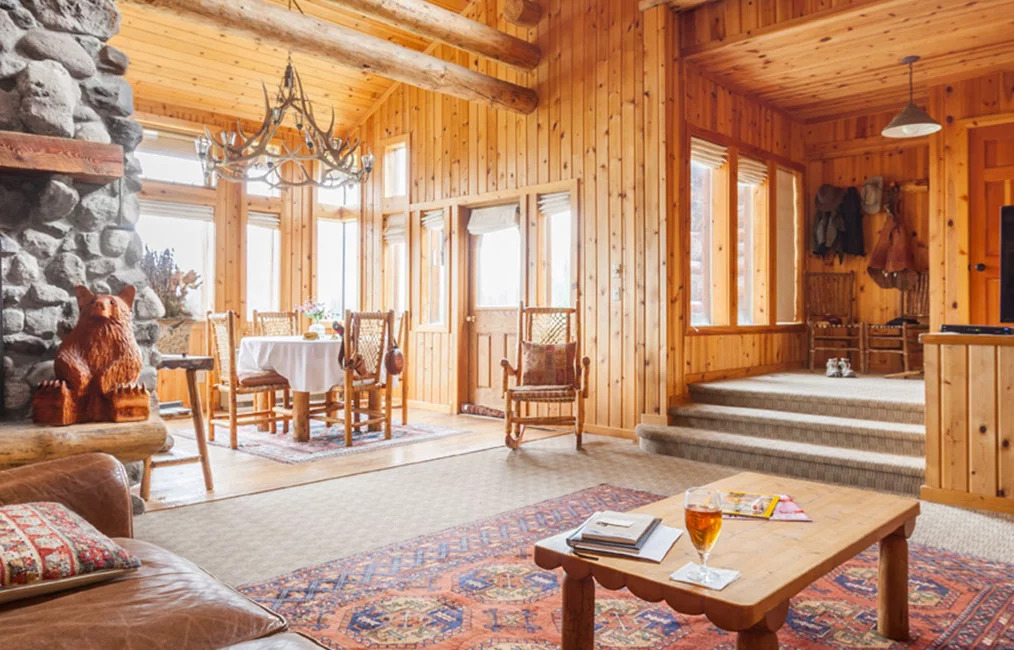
column 599, row 122
column 960, row 106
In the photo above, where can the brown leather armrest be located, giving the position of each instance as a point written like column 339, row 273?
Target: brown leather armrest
column 94, row 486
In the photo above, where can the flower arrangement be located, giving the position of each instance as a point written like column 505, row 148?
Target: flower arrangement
column 316, row 311
column 169, row 283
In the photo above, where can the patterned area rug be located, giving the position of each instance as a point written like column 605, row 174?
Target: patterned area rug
column 475, row 587
column 324, row 442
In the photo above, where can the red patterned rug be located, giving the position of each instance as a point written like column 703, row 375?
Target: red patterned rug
column 475, row 587
column 324, row 442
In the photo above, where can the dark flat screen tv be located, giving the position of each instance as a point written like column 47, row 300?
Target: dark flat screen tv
column 1007, row 264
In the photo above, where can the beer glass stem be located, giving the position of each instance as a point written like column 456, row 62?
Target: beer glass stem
column 705, row 574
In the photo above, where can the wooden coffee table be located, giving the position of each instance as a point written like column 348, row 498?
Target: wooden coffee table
column 777, row 561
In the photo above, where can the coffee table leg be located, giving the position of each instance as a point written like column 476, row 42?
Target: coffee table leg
column 300, row 416
column 578, row 612
column 764, row 634
column 892, row 587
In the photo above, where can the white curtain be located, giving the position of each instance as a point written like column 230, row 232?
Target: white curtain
column 494, row 219
column 177, row 210
column 553, row 204
column 433, row 219
column 752, row 172
column 707, row 153
column 394, row 229
column 264, row 220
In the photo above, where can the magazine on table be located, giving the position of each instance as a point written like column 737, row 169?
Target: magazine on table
column 747, row 504
column 785, row 510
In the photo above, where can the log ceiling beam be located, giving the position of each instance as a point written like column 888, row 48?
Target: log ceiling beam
column 525, row 13
column 430, row 21
column 288, row 30
column 678, row 5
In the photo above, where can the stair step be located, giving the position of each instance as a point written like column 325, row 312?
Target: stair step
column 870, row 435
column 835, row 405
column 892, row 472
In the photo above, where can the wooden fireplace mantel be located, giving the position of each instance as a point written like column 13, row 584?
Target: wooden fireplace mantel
column 23, row 443
column 90, row 162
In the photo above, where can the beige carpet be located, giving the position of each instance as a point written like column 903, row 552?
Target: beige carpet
column 260, row 536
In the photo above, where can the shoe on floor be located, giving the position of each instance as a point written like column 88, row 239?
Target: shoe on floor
column 845, row 368
column 833, row 368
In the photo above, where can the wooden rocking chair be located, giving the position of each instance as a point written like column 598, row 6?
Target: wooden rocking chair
column 222, row 344
column 545, row 335
column 367, row 335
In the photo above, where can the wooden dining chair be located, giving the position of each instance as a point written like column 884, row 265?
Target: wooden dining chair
column 366, row 343
column 903, row 340
column 222, row 344
column 276, row 323
column 830, row 326
column 548, row 368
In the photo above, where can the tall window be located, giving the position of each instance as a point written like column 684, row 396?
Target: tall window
column 497, row 255
column 396, row 263
column 347, row 197
column 709, row 197
column 434, row 249
column 395, row 170
column 788, row 256
column 260, row 186
column 338, row 265
column 263, row 262
column 169, row 157
column 559, row 264
column 751, row 241
column 189, row 230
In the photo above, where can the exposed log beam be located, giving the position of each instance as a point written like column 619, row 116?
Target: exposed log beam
column 526, row 13
column 288, row 30
column 428, row 20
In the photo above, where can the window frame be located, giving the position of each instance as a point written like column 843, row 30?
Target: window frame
column 393, row 204
column 544, row 257
column 728, row 234
column 345, row 221
column 416, row 251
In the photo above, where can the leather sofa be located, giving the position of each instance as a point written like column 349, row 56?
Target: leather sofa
column 168, row 603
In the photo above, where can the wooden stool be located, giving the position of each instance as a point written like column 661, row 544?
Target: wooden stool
column 192, row 365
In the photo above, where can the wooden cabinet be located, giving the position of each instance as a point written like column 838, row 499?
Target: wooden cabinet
column 970, row 421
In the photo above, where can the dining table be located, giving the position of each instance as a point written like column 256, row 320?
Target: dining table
column 310, row 366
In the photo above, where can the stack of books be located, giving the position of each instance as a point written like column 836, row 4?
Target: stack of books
column 624, row 534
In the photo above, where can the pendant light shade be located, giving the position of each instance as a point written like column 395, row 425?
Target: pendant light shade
column 912, row 122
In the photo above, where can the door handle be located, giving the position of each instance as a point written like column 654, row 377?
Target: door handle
column 980, row 267
column 469, row 319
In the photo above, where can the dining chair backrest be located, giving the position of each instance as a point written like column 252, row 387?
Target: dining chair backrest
column 915, row 300
column 829, row 295
column 222, row 344
column 549, row 326
column 276, row 323
column 366, row 337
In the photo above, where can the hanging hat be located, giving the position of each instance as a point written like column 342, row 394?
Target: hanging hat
column 829, row 197
column 872, row 194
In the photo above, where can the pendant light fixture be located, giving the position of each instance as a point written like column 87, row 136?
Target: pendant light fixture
column 912, row 122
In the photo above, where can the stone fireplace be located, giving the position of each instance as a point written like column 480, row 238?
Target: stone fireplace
column 59, row 77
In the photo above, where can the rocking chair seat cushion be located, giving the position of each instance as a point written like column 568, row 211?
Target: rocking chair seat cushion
column 543, row 393
column 265, row 378
column 548, row 365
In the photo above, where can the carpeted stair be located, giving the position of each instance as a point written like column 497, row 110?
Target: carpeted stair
column 861, row 440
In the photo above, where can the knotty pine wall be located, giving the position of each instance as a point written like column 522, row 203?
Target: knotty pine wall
column 717, row 353
column 598, row 122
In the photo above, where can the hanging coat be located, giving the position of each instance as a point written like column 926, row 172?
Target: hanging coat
column 852, row 218
column 892, row 264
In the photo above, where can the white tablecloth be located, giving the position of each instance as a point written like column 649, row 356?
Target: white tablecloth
column 310, row 366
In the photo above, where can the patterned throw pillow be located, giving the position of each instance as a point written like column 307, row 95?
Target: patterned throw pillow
column 547, row 365
column 44, row 547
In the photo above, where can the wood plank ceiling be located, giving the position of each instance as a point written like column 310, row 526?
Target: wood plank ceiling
column 820, row 59
column 193, row 66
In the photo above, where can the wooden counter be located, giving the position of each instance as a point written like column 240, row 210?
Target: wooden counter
column 970, row 420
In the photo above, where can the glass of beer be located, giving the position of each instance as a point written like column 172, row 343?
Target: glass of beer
column 703, row 514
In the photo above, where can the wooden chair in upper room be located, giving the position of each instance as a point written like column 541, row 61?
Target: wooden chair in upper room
column 548, row 369
column 222, row 344
column 276, row 323
column 830, row 324
column 903, row 339
column 367, row 336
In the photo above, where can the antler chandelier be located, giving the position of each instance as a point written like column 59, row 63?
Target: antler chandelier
column 238, row 157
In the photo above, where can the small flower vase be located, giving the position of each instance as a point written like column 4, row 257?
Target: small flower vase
column 318, row 328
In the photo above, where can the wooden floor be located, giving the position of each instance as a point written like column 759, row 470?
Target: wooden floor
column 237, row 473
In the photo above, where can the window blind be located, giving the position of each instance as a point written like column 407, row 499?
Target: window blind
column 173, row 210
column 708, row 154
column 168, row 142
column 494, row 219
column 394, row 229
column 433, row 219
column 752, row 172
column 264, row 220
column 553, row 204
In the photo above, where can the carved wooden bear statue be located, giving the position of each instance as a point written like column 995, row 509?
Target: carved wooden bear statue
column 97, row 366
